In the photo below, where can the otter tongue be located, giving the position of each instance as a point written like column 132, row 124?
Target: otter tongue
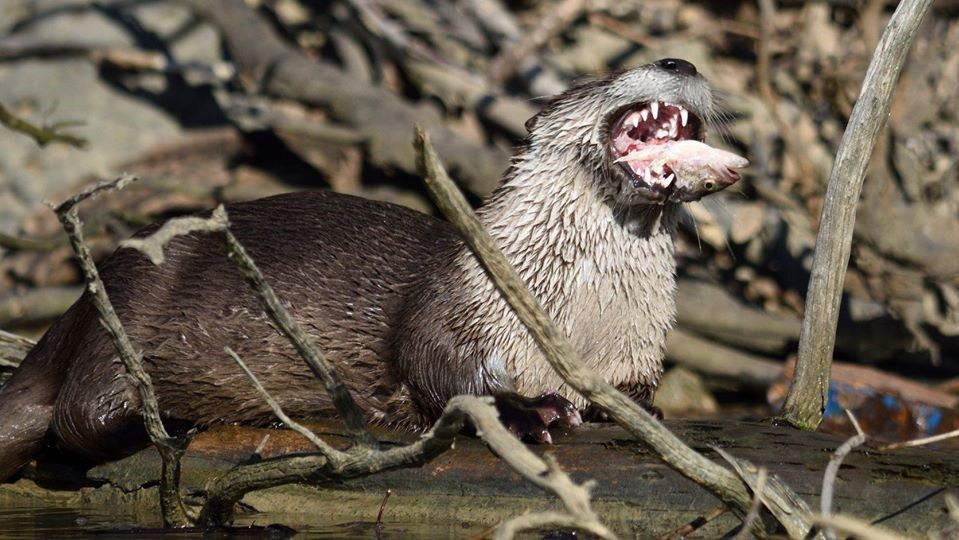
column 687, row 158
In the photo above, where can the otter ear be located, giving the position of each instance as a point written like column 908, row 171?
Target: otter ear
column 531, row 123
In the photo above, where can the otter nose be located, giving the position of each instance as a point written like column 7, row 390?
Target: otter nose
column 677, row 65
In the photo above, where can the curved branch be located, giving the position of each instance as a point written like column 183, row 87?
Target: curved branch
column 808, row 394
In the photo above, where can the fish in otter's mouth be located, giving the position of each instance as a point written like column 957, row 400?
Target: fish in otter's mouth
column 660, row 146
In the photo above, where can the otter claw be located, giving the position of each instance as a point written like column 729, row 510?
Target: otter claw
column 554, row 409
column 530, row 418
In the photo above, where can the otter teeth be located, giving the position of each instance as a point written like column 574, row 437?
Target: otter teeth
column 683, row 116
column 654, row 108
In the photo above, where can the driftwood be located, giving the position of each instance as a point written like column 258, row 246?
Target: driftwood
column 382, row 117
column 467, row 488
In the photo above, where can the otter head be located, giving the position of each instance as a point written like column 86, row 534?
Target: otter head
column 643, row 131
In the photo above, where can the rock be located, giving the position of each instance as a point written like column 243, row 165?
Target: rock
column 683, row 393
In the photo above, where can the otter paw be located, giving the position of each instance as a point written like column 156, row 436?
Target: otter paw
column 530, row 418
column 655, row 411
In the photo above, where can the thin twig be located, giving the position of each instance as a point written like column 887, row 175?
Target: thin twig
column 170, row 449
column 260, row 447
column 808, row 393
column 152, row 246
column 782, row 502
column 920, row 442
column 855, row 527
column 42, row 135
column 545, row 473
column 379, row 515
column 696, row 524
column 832, row 469
column 91, row 192
column 331, row 453
column 754, row 508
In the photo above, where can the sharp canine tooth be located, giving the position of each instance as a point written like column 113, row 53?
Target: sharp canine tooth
column 633, row 120
column 654, row 107
column 644, row 113
column 684, row 116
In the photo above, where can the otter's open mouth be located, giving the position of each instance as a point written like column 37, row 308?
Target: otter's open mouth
column 659, row 147
column 652, row 123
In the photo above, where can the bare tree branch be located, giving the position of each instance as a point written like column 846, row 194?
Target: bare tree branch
column 808, row 394
column 856, row 527
column 756, row 506
column 170, row 449
column 829, row 476
column 319, row 443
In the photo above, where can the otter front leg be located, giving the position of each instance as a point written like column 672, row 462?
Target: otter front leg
column 531, row 418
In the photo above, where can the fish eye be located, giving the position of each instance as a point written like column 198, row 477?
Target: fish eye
column 709, row 185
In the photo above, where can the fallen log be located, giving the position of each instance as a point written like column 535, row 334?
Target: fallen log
column 468, row 489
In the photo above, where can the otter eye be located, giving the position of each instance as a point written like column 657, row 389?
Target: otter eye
column 709, row 185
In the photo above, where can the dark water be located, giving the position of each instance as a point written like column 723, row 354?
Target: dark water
column 30, row 522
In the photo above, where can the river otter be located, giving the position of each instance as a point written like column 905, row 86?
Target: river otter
column 586, row 213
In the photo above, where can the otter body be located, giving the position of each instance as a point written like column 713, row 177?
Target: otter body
column 393, row 297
